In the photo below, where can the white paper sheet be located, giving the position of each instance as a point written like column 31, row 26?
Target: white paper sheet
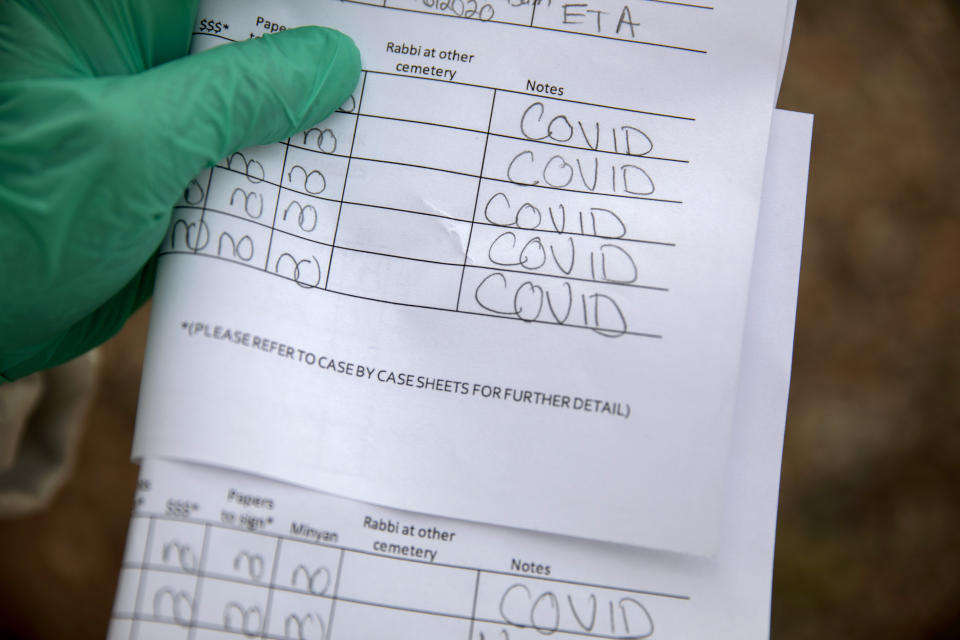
column 213, row 553
column 396, row 336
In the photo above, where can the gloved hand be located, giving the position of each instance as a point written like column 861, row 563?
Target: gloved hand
column 103, row 123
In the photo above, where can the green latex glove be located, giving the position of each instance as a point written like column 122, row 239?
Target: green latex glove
column 103, row 123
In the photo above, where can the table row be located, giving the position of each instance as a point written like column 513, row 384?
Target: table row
column 418, row 110
column 419, row 238
column 308, row 204
column 387, row 154
column 193, row 576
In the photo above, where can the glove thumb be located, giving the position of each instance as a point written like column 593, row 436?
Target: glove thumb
column 93, row 167
column 204, row 107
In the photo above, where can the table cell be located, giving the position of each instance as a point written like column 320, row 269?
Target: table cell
column 239, row 555
column 196, row 190
column 394, row 279
column 609, row 310
column 402, row 234
column 420, row 145
column 353, row 100
column 314, row 173
column 371, row 621
column 411, row 189
column 299, row 260
column 256, row 164
column 299, row 616
column 232, row 193
column 160, row 631
column 125, row 602
column 234, row 607
column 422, row 100
column 187, row 232
column 333, row 136
column 548, row 607
column 307, row 217
column 570, row 256
column 407, row 584
column 307, row 568
column 590, row 127
column 590, row 172
column 168, row 597
column 584, row 214
column 235, row 239
column 176, row 546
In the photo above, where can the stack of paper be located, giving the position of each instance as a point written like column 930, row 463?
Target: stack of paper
column 536, row 279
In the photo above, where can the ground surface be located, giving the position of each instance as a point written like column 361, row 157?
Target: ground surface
column 867, row 544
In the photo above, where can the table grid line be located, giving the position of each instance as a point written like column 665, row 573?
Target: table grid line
column 346, row 176
column 336, row 590
column 473, row 611
column 203, row 211
column 276, row 207
column 138, row 599
column 273, row 580
column 476, row 199
column 681, row 4
column 201, row 568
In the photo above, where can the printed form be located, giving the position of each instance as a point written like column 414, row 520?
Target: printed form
column 505, row 283
column 213, row 553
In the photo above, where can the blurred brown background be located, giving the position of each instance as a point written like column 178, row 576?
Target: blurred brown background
column 868, row 542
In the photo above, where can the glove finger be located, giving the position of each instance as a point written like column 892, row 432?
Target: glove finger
column 93, row 166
